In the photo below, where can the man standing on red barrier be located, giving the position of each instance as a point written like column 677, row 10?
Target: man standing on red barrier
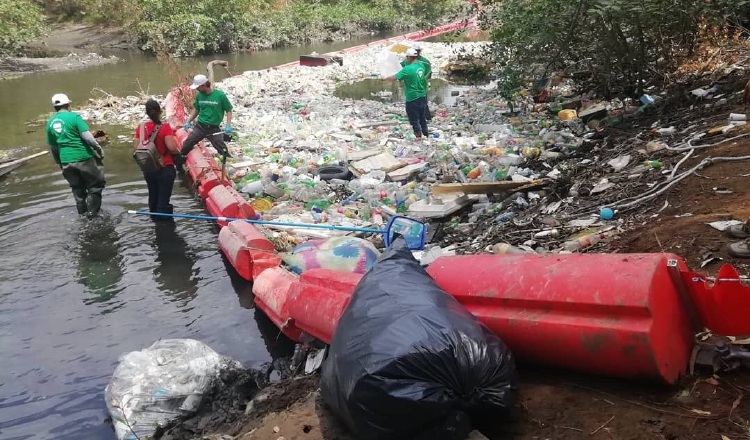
column 210, row 107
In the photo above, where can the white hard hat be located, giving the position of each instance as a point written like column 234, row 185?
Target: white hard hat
column 198, row 80
column 411, row 52
column 59, row 99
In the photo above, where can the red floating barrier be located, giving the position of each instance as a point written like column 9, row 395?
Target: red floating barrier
column 318, row 299
column 563, row 311
column 224, row 201
column 611, row 314
column 248, row 251
column 724, row 303
column 271, row 289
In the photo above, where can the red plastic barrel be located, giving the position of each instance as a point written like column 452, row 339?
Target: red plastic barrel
column 271, row 289
column 611, row 314
column 248, row 251
column 318, row 298
column 223, row 201
column 724, row 303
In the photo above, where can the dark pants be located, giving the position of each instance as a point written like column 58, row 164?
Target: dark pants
column 160, row 190
column 86, row 179
column 416, row 111
column 203, row 131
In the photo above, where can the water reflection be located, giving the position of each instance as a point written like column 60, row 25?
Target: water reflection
column 100, row 265
column 173, row 268
column 387, row 91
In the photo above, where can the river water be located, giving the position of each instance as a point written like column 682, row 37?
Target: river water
column 76, row 294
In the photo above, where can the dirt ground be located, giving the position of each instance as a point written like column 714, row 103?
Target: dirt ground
column 553, row 405
column 702, row 198
column 67, row 47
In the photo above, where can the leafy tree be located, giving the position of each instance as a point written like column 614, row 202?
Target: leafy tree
column 622, row 45
column 21, row 21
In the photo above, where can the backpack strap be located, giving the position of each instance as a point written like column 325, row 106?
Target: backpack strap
column 155, row 132
column 143, row 132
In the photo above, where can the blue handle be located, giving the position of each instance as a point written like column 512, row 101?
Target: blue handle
column 260, row 222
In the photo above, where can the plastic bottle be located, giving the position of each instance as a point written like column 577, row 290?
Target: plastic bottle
column 655, row 164
column 507, row 249
column 474, row 173
column 505, row 217
column 583, row 242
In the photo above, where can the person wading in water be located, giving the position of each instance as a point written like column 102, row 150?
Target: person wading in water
column 78, row 154
column 161, row 180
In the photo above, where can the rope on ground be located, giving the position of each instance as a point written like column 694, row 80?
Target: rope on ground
column 664, row 186
column 657, row 190
column 674, row 170
column 690, row 145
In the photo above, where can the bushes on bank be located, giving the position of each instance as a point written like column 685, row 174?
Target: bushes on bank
column 22, row 20
column 619, row 46
column 187, row 27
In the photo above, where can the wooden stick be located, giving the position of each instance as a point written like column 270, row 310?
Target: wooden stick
column 601, row 427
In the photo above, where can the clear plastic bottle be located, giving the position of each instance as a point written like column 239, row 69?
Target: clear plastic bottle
column 583, row 242
column 507, row 249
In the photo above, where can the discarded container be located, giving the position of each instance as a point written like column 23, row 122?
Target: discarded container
column 737, row 117
column 587, row 240
column 567, row 115
column 506, row 249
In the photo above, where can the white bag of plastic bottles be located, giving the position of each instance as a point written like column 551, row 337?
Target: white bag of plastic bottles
column 388, row 63
column 153, row 386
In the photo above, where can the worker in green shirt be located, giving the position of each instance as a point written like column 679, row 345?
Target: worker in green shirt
column 210, row 107
column 428, row 75
column 415, row 92
column 78, row 154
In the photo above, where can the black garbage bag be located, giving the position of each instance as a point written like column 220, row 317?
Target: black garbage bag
column 408, row 361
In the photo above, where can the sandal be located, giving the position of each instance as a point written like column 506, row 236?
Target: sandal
column 738, row 231
column 739, row 249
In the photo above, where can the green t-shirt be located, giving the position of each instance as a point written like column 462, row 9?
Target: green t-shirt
column 64, row 130
column 413, row 76
column 427, row 66
column 211, row 107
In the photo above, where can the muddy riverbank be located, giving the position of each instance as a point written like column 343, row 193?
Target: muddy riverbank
column 68, row 47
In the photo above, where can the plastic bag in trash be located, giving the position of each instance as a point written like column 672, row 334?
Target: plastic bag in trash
column 155, row 385
column 388, row 63
column 407, row 361
column 347, row 254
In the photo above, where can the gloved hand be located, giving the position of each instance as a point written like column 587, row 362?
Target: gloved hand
column 228, row 129
column 99, row 153
column 186, row 126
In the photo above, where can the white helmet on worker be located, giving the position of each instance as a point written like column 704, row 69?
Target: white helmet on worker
column 198, row 80
column 411, row 52
column 59, row 99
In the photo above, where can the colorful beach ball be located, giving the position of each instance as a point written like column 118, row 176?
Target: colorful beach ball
column 346, row 254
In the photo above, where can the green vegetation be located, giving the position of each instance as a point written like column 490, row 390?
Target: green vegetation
column 618, row 46
column 21, row 21
column 189, row 27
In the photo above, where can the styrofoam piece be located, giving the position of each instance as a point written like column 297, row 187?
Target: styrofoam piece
column 441, row 207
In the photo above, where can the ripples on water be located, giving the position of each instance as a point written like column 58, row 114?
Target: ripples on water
column 76, row 294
